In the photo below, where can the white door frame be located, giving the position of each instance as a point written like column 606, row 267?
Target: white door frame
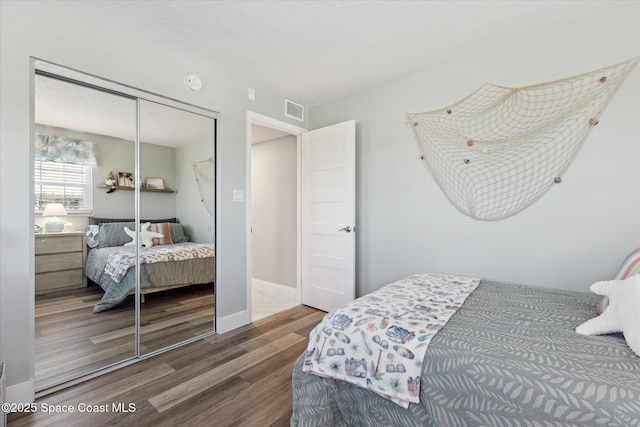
column 260, row 120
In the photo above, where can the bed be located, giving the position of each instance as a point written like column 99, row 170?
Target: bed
column 509, row 356
column 171, row 262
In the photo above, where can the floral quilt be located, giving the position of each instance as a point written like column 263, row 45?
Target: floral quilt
column 119, row 262
column 378, row 341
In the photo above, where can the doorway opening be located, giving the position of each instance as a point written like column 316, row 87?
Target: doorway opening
column 273, row 206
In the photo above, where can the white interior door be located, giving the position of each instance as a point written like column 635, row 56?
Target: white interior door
column 328, row 216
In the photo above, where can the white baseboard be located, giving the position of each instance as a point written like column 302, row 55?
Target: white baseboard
column 233, row 321
column 21, row 393
column 236, row 320
column 275, row 288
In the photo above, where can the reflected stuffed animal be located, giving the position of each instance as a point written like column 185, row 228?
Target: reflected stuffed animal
column 622, row 314
column 146, row 236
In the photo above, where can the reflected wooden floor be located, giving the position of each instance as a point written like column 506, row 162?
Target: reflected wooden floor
column 242, row 378
column 72, row 341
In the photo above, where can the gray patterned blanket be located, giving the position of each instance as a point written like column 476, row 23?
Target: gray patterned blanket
column 152, row 275
column 508, row 357
column 120, row 262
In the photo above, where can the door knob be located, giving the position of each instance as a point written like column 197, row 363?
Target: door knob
column 347, row 229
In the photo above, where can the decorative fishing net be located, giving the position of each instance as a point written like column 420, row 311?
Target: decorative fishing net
column 500, row 149
column 204, row 172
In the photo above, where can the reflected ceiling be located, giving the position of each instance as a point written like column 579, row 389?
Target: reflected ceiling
column 71, row 106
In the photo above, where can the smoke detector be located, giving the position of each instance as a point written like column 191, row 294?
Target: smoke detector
column 193, row 83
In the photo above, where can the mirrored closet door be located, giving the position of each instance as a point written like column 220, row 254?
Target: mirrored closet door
column 176, row 153
column 108, row 157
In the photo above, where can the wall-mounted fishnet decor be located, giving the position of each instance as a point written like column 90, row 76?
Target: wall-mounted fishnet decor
column 500, row 149
column 204, row 171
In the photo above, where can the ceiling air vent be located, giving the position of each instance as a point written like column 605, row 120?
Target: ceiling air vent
column 293, row 110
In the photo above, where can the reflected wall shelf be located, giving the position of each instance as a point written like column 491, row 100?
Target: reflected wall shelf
column 147, row 190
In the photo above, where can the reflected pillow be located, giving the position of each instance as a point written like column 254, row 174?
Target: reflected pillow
column 96, row 220
column 163, row 228
column 112, row 234
column 177, row 233
column 93, row 236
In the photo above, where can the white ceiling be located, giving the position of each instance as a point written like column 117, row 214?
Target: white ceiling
column 262, row 134
column 314, row 52
column 309, row 51
column 67, row 105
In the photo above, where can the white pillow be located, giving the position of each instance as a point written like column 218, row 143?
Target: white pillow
column 622, row 314
column 146, row 236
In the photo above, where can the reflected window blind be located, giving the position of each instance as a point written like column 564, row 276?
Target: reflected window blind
column 66, row 183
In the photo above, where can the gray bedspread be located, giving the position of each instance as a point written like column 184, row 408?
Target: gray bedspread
column 508, row 357
column 154, row 275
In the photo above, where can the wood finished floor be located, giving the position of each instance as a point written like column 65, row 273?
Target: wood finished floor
column 241, row 378
column 71, row 340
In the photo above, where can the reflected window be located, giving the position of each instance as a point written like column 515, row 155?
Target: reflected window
column 66, row 183
column 62, row 172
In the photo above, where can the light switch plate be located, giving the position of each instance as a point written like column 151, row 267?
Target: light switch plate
column 238, row 196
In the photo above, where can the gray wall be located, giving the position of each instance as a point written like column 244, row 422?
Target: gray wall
column 578, row 233
column 157, row 161
column 191, row 211
column 55, row 32
column 273, row 210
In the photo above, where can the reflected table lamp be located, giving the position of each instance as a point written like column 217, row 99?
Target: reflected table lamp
column 54, row 210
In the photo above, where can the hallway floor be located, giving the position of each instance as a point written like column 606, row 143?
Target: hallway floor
column 266, row 301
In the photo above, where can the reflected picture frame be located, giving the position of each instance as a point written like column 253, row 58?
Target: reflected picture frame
column 154, row 184
column 126, row 179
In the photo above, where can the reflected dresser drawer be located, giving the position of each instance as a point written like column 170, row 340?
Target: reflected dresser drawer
column 60, row 261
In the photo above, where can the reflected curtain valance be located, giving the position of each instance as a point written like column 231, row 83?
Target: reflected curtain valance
column 60, row 149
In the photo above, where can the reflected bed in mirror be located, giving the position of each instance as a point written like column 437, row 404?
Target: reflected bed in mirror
column 167, row 260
